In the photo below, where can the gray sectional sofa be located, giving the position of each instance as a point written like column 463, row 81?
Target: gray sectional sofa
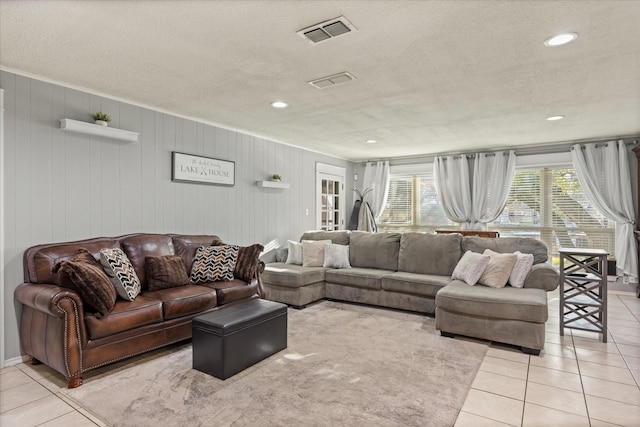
column 412, row 271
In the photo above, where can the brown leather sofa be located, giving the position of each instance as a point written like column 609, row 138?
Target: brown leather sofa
column 57, row 329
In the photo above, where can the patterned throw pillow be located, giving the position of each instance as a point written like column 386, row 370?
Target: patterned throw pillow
column 214, row 263
column 336, row 256
column 165, row 272
column 521, row 269
column 470, row 267
column 499, row 269
column 84, row 274
column 121, row 273
column 247, row 263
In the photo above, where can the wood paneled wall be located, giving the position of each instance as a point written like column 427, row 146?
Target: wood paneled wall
column 62, row 186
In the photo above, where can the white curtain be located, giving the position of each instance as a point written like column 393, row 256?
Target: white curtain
column 492, row 178
column 603, row 172
column 452, row 185
column 376, row 178
column 474, row 206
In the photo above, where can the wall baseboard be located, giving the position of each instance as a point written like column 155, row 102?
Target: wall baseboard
column 15, row 361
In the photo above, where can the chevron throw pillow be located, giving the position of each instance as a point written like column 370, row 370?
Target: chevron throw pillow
column 121, row 273
column 214, row 263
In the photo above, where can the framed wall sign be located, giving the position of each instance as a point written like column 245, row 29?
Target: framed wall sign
column 202, row 170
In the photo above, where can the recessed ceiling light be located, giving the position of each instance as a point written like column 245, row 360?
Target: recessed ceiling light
column 371, row 141
column 560, row 39
column 554, row 118
column 279, row 104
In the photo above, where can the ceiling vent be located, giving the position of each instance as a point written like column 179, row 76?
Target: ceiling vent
column 336, row 79
column 326, row 30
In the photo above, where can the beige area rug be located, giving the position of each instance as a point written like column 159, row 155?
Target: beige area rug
column 345, row 364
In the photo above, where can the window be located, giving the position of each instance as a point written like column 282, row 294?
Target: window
column 545, row 203
column 413, row 205
column 549, row 204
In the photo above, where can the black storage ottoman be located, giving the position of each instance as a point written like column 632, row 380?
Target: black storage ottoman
column 229, row 340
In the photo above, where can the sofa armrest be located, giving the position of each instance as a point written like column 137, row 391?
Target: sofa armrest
column 52, row 328
column 543, row 276
column 46, row 297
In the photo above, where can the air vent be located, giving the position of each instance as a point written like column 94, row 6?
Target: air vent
column 336, row 79
column 326, row 30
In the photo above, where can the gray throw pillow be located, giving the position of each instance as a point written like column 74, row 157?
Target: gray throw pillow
column 499, row 269
column 336, row 256
column 470, row 267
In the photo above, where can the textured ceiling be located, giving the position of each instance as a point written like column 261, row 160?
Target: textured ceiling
column 431, row 76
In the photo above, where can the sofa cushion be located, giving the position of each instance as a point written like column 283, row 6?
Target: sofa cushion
column 186, row 246
column 184, row 300
column 165, row 272
column 429, row 253
column 233, row 290
column 415, row 284
column 366, row 278
column 526, row 245
column 336, row 256
column 291, row 275
column 214, row 263
column 499, row 269
column 121, row 273
column 529, row 305
column 39, row 260
column 374, row 250
column 471, row 267
column 84, row 274
column 125, row 315
column 338, row 237
column 141, row 246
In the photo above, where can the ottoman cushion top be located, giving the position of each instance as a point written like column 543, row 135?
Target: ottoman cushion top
column 236, row 317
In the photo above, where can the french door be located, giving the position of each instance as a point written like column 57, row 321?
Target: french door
column 330, row 210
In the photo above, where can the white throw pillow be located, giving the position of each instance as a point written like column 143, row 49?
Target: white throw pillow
column 294, row 255
column 470, row 267
column 336, row 256
column 121, row 273
column 499, row 269
column 313, row 252
column 521, row 269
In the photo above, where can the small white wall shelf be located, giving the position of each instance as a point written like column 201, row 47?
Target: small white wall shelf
column 70, row 125
column 273, row 184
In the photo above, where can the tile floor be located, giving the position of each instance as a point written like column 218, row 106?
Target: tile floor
column 576, row 381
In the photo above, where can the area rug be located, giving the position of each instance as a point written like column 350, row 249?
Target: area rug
column 345, row 364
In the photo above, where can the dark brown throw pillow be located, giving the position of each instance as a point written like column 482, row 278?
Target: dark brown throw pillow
column 83, row 255
column 165, row 272
column 247, row 263
column 84, row 274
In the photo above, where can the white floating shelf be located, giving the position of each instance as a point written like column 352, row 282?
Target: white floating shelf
column 272, row 184
column 69, row 125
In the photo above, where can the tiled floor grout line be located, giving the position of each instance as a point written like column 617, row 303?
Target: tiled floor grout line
column 526, row 387
column 584, row 392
